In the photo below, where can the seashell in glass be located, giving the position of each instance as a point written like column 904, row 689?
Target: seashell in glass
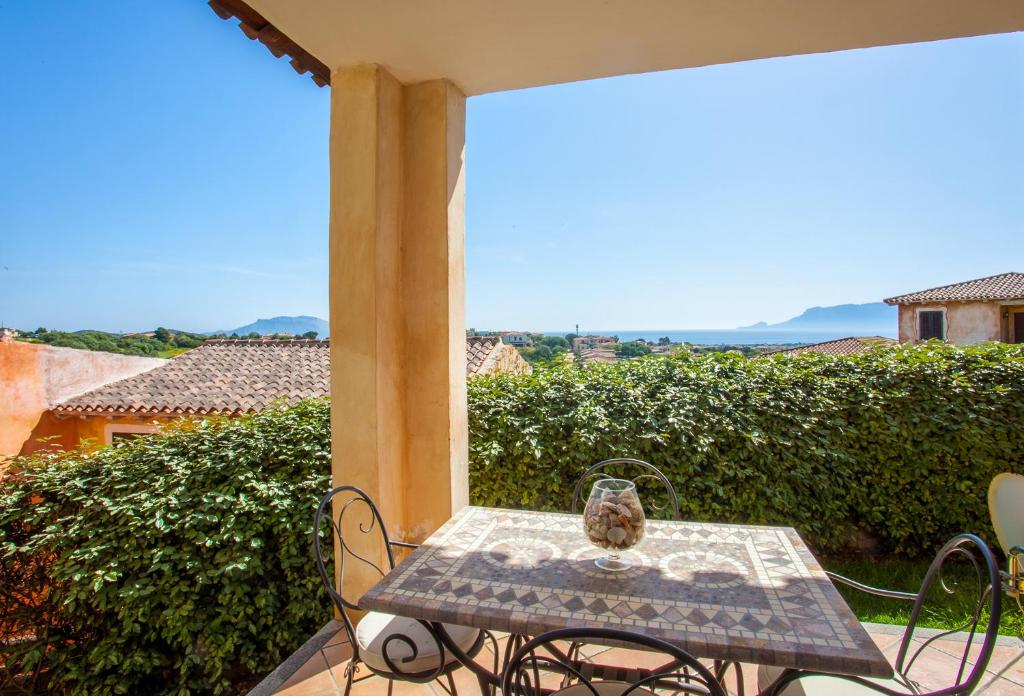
column 614, row 520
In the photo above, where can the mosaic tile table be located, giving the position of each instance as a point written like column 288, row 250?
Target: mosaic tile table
column 727, row 592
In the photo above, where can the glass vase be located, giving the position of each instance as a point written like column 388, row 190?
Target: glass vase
column 614, row 521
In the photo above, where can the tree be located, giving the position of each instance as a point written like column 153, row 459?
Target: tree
column 311, row 335
column 555, row 343
column 664, row 341
column 634, row 349
column 254, row 335
column 570, row 337
column 543, row 352
column 536, row 354
column 183, row 340
column 40, row 331
column 163, row 335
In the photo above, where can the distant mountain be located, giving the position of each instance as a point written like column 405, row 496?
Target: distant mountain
column 872, row 317
column 283, row 325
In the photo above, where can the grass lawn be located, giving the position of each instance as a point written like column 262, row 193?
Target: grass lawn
column 942, row 610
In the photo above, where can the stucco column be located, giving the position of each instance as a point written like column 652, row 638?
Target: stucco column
column 434, row 298
column 397, row 296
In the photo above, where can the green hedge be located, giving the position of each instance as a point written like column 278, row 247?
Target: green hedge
column 177, row 563
column 180, row 563
column 897, row 445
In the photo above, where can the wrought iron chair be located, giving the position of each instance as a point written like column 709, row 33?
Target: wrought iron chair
column 393, row 647
column 681, row 673
column 966, row 547
column 650, row 472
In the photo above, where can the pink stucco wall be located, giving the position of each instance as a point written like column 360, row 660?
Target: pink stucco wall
column 34, row 377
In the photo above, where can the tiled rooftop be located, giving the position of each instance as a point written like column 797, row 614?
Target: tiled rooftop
column 232, row 377
column 851, row 345
column 601, row 355
column 1005, row 286
column 226, row 377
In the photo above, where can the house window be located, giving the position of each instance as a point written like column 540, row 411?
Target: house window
column 115, row 432
column 116, row 436
column 931, row 323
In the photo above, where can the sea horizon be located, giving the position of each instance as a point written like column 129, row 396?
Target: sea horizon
column 734, row 336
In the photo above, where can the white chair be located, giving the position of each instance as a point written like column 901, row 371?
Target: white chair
column 1006, row 506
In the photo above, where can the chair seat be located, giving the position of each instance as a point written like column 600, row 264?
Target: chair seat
column 603, row 688
column 823, row 685
column 376, row 627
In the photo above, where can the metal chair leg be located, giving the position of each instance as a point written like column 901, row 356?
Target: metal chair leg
column 486, row 688
column 721, row 668
column 349, row 673
column 573, row 654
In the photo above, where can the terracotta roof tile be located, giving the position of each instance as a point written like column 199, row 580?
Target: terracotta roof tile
column 851, row 345
column 601, row 355
column 481, row 352
column 226, row 377
column 1005, row 286
column 238, row 376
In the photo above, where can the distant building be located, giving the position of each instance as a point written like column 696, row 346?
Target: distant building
column 516, row 338
column 582, row 343
column 851, row 345
column 985, row 309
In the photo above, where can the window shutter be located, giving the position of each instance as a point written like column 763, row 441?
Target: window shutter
column 930, row 325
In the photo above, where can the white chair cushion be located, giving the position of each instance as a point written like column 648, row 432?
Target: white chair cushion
column 603, row 688
column 375, row 628
column 823, row 685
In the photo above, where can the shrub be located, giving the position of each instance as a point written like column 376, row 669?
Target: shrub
column 899, row 443
column 178, row 563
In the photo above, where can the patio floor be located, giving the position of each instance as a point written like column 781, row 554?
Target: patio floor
column 321, row 672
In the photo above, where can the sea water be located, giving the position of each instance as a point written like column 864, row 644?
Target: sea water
column 734, row 336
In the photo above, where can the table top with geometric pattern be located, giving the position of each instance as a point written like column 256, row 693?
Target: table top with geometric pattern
column 730, row 592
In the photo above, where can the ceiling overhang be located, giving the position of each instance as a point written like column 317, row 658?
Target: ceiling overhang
column 490, row 45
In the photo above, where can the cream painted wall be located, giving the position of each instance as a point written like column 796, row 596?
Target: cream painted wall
column 966, row 322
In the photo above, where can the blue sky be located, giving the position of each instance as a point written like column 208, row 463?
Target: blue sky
column 160, row 169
